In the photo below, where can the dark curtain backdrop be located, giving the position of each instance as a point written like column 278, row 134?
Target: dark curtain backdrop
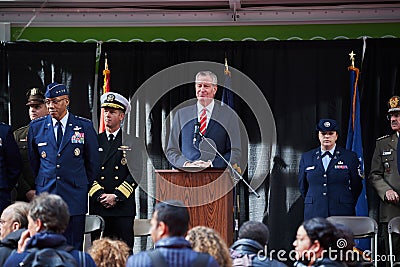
column 39, row 64
column 301, row 80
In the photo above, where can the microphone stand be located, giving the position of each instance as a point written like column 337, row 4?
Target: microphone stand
column 230, row 166
column 235, row 173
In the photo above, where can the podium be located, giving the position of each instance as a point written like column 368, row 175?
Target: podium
column 207, row 193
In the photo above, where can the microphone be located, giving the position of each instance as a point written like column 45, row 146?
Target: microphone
column 196, row 132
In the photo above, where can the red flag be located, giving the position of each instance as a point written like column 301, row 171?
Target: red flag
column 106, row 89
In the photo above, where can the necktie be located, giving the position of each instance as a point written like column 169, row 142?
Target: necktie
column 326, row 158
column 203, row 121
column 110, row 139
column 59, row 133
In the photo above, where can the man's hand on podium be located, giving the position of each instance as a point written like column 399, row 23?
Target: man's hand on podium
column 198, row 163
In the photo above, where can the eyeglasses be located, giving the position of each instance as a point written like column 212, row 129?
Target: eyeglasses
column 54, row 101
column 396, row 115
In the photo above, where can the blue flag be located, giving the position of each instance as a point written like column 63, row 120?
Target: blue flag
column 354, row 143
column 227, row 95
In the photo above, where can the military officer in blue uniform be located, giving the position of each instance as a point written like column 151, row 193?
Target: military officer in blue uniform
column 112, row 195
column 64, row 158
column 10, row 165
column 329, row 176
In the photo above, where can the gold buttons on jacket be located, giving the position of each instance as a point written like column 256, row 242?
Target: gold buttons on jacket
column 116, row 167
column 116, row 177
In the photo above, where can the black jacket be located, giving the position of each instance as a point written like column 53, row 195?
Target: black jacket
column 252, row 248
column 8, row 244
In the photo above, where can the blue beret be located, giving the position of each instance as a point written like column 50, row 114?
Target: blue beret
column 325, row 125
column 55, row 89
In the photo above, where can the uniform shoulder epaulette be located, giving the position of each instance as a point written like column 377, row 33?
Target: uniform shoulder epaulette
column 39, row 119
column 20, row 129
column 382, row 137
column 82, row 118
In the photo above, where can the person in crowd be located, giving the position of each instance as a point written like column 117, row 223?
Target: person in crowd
column 47, row 219
column 329, row 176
column 108, row 252
column 14, row 220
column 112, row 195
column 205, row 239
column 63, row 152
column 219, row 124
column 26, row 183
column 169, row 224
column 384, row 176
column 10, row 165
column 251, row 247
column 316, row 240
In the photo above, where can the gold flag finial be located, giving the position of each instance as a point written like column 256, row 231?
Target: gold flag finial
column 352, row 58
column 226, row 71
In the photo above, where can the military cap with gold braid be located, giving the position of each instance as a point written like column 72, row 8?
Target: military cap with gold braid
column 115, row 100
column 393, row 104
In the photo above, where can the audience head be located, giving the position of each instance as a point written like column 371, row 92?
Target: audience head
column 108, row 252
column 170, row 218
column 314, row 237
column 37, row 108
column 48, row 212
column 13, row 218
column 256, row 231
column 206, row 240
column 206, row 87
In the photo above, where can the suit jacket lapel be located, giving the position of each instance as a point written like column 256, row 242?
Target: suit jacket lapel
column 214, row 116
column 336, row 157
column 49, row 130
column 114, row 147
column 318, row 159
column 67, row 133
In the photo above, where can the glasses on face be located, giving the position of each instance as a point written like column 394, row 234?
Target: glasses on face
column 395, row 115
column 53, row 101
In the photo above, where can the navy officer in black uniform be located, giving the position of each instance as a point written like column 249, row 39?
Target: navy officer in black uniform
column 329, row 176
column 113, row 193
column 64, row 158
column 10, row 165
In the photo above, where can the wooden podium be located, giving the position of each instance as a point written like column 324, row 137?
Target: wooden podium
column 208, row 194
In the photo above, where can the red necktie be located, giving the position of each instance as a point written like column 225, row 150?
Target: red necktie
column 203, row 122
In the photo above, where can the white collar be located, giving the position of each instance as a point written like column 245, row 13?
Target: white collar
column 209, row 108
column 114, row 133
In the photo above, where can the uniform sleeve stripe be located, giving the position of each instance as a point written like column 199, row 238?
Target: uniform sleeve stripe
column 96, row 187
column 125, row 189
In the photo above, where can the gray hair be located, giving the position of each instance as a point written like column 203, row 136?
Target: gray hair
column 51, row 210
column 207, row 73
column 19, row 213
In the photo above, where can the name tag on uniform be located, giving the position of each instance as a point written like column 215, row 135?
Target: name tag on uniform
column 310, row 168
column 385, row 153
column 42, row 144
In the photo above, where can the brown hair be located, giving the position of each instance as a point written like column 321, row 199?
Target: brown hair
column 107, row 252
column 204, row 239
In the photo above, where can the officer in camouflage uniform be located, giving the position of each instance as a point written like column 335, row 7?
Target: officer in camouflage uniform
column 26, row 182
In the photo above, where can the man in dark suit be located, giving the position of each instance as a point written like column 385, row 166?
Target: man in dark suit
column 384, row 176
column 112, row 195
column 219, row 124
column 10, row 165
column 329, row 176
column 26, row 183
column 63, row 151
